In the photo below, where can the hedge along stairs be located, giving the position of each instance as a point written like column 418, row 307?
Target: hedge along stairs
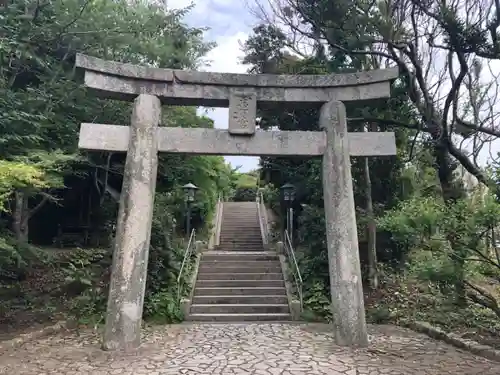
column 239, row 280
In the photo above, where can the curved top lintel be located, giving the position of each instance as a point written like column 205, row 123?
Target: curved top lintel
column 231, row 79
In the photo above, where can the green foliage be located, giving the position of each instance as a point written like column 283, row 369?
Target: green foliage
column 317, row 305
column 413, row 220
column 86, row 284
column 245, row 187
column 245, row 194
column 163, row 307
column 448, row 245
column 18, row 175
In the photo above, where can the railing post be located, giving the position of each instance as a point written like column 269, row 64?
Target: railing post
column 187, row 253
column 263, row 220
column 290, row 254
column 219, row 223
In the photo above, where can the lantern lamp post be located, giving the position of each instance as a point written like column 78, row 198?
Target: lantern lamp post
column 288, row 194
column 189, row 195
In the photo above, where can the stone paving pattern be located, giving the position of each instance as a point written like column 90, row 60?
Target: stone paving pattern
column 265, row 349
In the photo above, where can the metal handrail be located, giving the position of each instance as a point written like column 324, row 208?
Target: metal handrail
column 291, row 255
column 219, row 219
column 214, row 235
column 263, row 220
column 187, row 254
column 266, row 219
column 261, row 224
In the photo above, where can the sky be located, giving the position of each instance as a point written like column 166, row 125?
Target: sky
column 230, row 23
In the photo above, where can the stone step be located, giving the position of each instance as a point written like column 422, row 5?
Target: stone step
column 249, row 208
column 243, row 216
column 244, row 299
column 236, row 238
column 246, row 215
column 228, row 248
column 240, row 204
column 241, row 245
column 240, row 262
column 243, row 219
column 243, row 256
column 241, row 240
column 234, row 221
column 237, row 223
column 245, row 250
column 239, row 309
column 239, row 291
column 242, row 232
column 240, row 236
column 239, row 317
column 204, row 275
column 240, row 283
column 239, row 267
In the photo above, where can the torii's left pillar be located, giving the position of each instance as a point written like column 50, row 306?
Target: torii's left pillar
column 133, row 232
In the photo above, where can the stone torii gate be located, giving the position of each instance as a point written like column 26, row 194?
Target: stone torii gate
column 149, row 88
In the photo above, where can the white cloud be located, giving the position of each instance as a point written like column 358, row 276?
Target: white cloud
column 225, row 58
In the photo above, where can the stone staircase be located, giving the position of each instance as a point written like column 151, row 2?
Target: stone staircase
column 239, row 280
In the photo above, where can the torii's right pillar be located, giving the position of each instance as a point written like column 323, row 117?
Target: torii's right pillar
column 341, row 231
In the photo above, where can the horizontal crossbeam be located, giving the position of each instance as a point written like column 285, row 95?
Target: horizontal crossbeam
column 220, row 142
column 116, row 68
column 125, row 81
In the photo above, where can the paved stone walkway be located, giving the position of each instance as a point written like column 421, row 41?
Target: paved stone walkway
column 265, row 349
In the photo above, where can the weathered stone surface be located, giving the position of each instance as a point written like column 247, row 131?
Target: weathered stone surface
column 242, row 112
column 232, row 79
column 220, row 142
column 198, row 94
column 255, row 349
column 341, row 231
column 130, row 257
column 123, row 69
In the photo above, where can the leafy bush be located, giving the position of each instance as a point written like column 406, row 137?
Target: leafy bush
column 163, row 307
column 317, row 305
column 86, row 279
column 448, row 244
column 245, row 194
column 86, row 284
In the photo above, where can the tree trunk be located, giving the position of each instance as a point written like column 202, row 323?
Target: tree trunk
column 494, row 246
column 21, row 211
column 371, row 229
column 22, row 214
